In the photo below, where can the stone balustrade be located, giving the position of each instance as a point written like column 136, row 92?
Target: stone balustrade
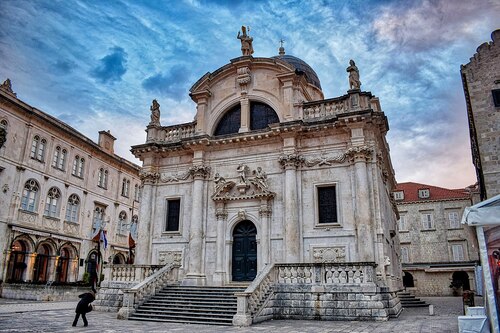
column 178, row 132
column 135, row 296
column 307, row 278
column 325, row 108
column 129, row 273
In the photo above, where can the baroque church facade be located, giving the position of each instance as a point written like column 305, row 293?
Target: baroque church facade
column 269, row 172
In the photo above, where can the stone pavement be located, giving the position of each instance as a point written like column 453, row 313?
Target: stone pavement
column 32, row 316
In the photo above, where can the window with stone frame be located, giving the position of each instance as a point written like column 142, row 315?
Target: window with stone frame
column 125, row 187
column 72, row 208
column 457, row 252
column 173, row 215
column 453, row 219
column 122, row 223
column 137, row 192
column 98, row 219
column 427, row 221
column 52, row 202
column 29, row 200
column 38, row 145
column 102, row 180
column 405, row 254
column 78, row 166
column 424, row 193
column 327, row 204
column 402, row 222
column 399, row 195
column 59, row 160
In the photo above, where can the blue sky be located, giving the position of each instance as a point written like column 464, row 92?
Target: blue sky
column 97, row 65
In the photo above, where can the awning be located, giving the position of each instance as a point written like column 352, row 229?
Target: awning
column 485, row 213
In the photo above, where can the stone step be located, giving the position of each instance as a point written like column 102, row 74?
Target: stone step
column 191, row 304
column 410, row 301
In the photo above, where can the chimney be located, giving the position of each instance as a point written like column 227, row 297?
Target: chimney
column 107, row 141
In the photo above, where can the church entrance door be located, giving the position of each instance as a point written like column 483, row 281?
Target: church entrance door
column 244, row 251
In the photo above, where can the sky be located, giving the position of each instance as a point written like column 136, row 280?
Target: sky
column 97, row 65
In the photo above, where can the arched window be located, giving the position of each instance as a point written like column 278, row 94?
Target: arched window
column 78, row 166
column 57, row 154
column 122, row 223
column 137, row 193
column 261, row 115
column 38, row 148
column 59, row 161
column 52, row 202
column 408, row 280
column 118, row 259
column 125, row 187
column 29, row 200
column 102, row 180
column 98, row 218
column 73, row 208
column 40, row 270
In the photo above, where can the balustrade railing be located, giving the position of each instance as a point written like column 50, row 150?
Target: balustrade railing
column 135, row 296
column 177, row 132
column 325, row 108
column 129, row 273
column 314, row 274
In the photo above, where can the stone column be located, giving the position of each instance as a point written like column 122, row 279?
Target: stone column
column 195, row 276
column 143, row 250
column 221, row 215
column 290, row 163
column 265, row 254
column 364, row 228
column 243, row 80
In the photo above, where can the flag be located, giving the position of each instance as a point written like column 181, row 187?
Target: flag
column 103, row 239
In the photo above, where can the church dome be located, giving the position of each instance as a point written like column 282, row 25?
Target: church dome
column 302, row 66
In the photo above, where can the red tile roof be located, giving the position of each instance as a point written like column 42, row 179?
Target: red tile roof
column 436, row 193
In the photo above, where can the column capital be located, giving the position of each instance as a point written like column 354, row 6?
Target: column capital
column 200, row 171
column 359, row 154
column 290, row 161
column 149, row 177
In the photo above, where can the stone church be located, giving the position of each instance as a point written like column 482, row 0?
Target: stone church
column 273, row 175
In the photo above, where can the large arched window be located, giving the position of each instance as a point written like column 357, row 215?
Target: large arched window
column 29, row 200
column 52, row 202
column 41, row 268
column 122, row 223
column 38, row 148
column 73, row 208
column 17, row 264
column 59, row 161
column 102, row 180
column 261, row 115
column 78, row 166
column 63, row 265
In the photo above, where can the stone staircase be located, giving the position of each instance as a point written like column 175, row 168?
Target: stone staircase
column 191, row 304
column 410, row 301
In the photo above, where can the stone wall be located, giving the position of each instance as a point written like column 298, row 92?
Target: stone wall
column 304, row 302
column 436, row 283
column 41, row 292
column 110, row 296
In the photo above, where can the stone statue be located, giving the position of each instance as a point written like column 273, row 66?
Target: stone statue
column 242, row 170
column 219, row 181
column 7, row 85
column 353, row 71
column 155, row 113
column 260, row 177
column 246, row 42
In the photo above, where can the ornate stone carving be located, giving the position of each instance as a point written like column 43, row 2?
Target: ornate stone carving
column 291, row 160
column 175, row 177
column 246, row 42
column 199, row 171
column 359, row 153
column 329, row 254
column 353, row 71
column 149, row 176
column 265, row 211
column 170, row 257
column 326, row 160
column 246, row 187
column 243, row 77
column 155, row 113
column 221, row 213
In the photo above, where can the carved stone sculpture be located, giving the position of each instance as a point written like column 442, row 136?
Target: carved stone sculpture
column 353, row 71
column 155, row 113
column 246, row 42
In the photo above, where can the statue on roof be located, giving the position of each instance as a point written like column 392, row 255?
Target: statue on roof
column 7, row 85
column 353, row 71
column 246, row 41
column 155, row 113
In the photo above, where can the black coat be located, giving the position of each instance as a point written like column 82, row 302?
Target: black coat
column 83, row 305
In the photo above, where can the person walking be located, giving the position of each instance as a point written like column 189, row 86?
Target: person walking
column 83, row 307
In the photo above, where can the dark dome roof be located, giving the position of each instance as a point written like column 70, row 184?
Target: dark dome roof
column 302, row 66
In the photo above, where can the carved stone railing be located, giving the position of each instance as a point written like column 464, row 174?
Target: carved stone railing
column 318, row 275
column 135, row 296
column 325, row 108
column 129, row 273
column 178, row 132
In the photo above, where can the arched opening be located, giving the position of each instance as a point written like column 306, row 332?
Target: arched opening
column 91, row 267
column 17, row 261
column 63, row 265
column 41, row 268
column 118, row 259
column 459, row 280
column 408, row 280
column 261, row 115
column 244, row 251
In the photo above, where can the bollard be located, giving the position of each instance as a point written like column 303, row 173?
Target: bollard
column 431, row 310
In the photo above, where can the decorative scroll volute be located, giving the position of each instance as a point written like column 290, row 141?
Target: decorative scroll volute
column 291, row 161
column 199, row 171
column 149, row 177
column 358, row 154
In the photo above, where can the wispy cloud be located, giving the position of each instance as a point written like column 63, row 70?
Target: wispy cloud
column 172, row 84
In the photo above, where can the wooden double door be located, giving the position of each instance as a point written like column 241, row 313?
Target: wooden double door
column 244, row 251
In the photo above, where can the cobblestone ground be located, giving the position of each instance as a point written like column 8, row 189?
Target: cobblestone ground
column 29, row 316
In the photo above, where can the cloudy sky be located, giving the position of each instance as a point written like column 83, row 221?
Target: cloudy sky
column 97, row 65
